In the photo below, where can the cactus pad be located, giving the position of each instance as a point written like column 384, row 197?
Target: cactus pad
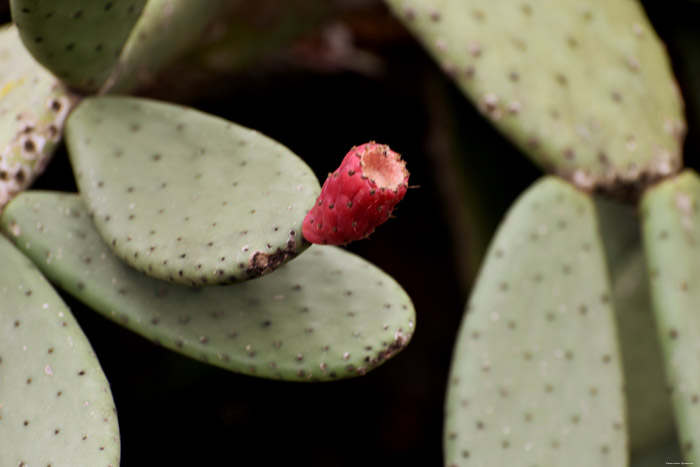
column 671, row 232
column 185, row 196
column 585, row 89
column 326, row 315
column 33, row 108
column 536, row 378
column 78, row 40
column 55, row 404
column 649, row 413
column 165, row 29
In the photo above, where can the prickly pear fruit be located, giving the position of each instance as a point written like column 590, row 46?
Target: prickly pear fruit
column 358, row 196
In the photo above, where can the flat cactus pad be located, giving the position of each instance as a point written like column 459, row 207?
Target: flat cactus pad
column 33, row 108
column 536, row 377
column 584, row 88
column 326, row 315
column 671, row 232
column 55, row 404
column 188, row 197
column 77, row 40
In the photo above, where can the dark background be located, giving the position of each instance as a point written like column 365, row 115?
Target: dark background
column 174, row 411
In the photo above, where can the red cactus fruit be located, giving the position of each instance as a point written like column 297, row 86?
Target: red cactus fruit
column 358, row 196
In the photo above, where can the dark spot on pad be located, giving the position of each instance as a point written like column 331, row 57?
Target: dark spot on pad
column 260, row 263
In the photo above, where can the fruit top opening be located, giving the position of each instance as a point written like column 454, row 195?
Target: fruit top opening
column 384, row 167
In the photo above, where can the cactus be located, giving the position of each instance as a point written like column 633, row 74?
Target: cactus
column 555, row 361
column 164, row 30
column 536, row 376
column 178, row 194
column 56, row 407
column 34, row 107
column 295, row 324
column 650, row 419
column 78, row 40
column 584, row 89
column 670, row 229
column 358, row 196
column 186, row 197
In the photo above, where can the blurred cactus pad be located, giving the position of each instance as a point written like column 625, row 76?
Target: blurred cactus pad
column 158, row 158
column 584, row 88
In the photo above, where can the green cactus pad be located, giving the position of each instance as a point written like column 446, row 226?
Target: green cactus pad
column 187, row 197
column 585, row 89
column 55, row 404
column 536, row 377
column 649, row 413
column 166, row 29
column 33, row 108
column 78, row 40
column 671, row 233
column 326, row 315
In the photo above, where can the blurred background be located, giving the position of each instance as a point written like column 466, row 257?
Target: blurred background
column 321, row 76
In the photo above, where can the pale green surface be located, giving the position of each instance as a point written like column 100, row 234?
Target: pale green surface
column 165, row 29
column 33, row 108
column 671, row 232
column 650, row 416
column 185, row 196
column 55, row 404
column 649, row 413
column 584, row 88
column 78, row 40
column 536, row 377
column 326, row 315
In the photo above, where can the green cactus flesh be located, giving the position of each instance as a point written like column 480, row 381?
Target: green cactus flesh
column 77, row 40
column 536, row 377
column 165, row 29
column 187, row 197
column 326, row 315
column 33, row 108
column 55, row 404
column 585, row 89
column 649, row 413
column 671, row 229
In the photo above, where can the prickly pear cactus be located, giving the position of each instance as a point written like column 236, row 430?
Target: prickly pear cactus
column 33, row 108
column 585, row 89
column 188, row 197
column 671, row 230
column 165, row 29
column 649, row 414
column 536, row 377
column 55, row 404
column 77, row 40
column 326, row 315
